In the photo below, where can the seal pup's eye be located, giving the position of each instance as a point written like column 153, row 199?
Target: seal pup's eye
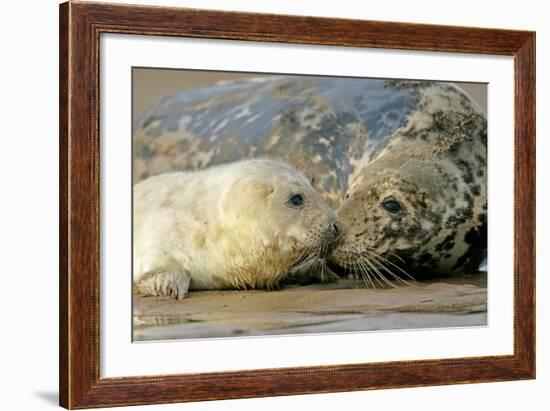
column 391, row 206
column 296, row 200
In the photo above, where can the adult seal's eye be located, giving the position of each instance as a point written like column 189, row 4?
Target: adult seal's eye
column 296, row 200
column 391, row 206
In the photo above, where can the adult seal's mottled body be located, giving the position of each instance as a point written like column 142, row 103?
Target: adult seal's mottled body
column 419, row 198
column 363, row 142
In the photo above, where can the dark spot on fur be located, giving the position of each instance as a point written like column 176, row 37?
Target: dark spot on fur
column 482, row 218
column 421, row 203
column 471, row 236
column 413, row 231
column 461, row 216
column 466, row 169
column 362, row 233
column 481, row 160
column 476, row 237
column 447, row 244
column 425, row 258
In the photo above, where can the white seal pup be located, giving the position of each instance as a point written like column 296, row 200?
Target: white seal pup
column 240, row 225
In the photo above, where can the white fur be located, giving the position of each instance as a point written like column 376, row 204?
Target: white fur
column 217, row 225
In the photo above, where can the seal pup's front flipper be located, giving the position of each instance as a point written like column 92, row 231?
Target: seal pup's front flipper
column 173, row 284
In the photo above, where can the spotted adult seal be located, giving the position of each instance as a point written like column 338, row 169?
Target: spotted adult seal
column 356, row 138
column 418, row 200
column 240, row 225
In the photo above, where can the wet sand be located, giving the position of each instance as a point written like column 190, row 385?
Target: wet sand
column 345, row 305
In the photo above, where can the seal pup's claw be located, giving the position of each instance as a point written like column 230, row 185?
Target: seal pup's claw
column 172, row 284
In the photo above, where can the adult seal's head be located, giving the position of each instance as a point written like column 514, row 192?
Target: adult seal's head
column 240, row 225
column 418, row 202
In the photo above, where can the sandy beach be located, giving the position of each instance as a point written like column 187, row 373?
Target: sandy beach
column 342, row 306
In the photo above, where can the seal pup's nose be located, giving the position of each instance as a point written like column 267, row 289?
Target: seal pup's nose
column 334, row 232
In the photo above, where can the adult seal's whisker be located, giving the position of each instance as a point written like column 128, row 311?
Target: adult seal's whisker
column 387, row 261
column 379, row 273
column 396, row 277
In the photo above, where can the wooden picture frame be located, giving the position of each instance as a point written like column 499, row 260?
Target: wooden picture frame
column 80, row 27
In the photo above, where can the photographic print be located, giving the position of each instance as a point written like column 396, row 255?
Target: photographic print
column 269, row 204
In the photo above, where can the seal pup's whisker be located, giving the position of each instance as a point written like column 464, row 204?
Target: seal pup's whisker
column 324, row 270
column 305, row 256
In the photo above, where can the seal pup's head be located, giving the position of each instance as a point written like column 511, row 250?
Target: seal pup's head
column 273, row 220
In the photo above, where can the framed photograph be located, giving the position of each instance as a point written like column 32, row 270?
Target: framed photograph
column 260, row 205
